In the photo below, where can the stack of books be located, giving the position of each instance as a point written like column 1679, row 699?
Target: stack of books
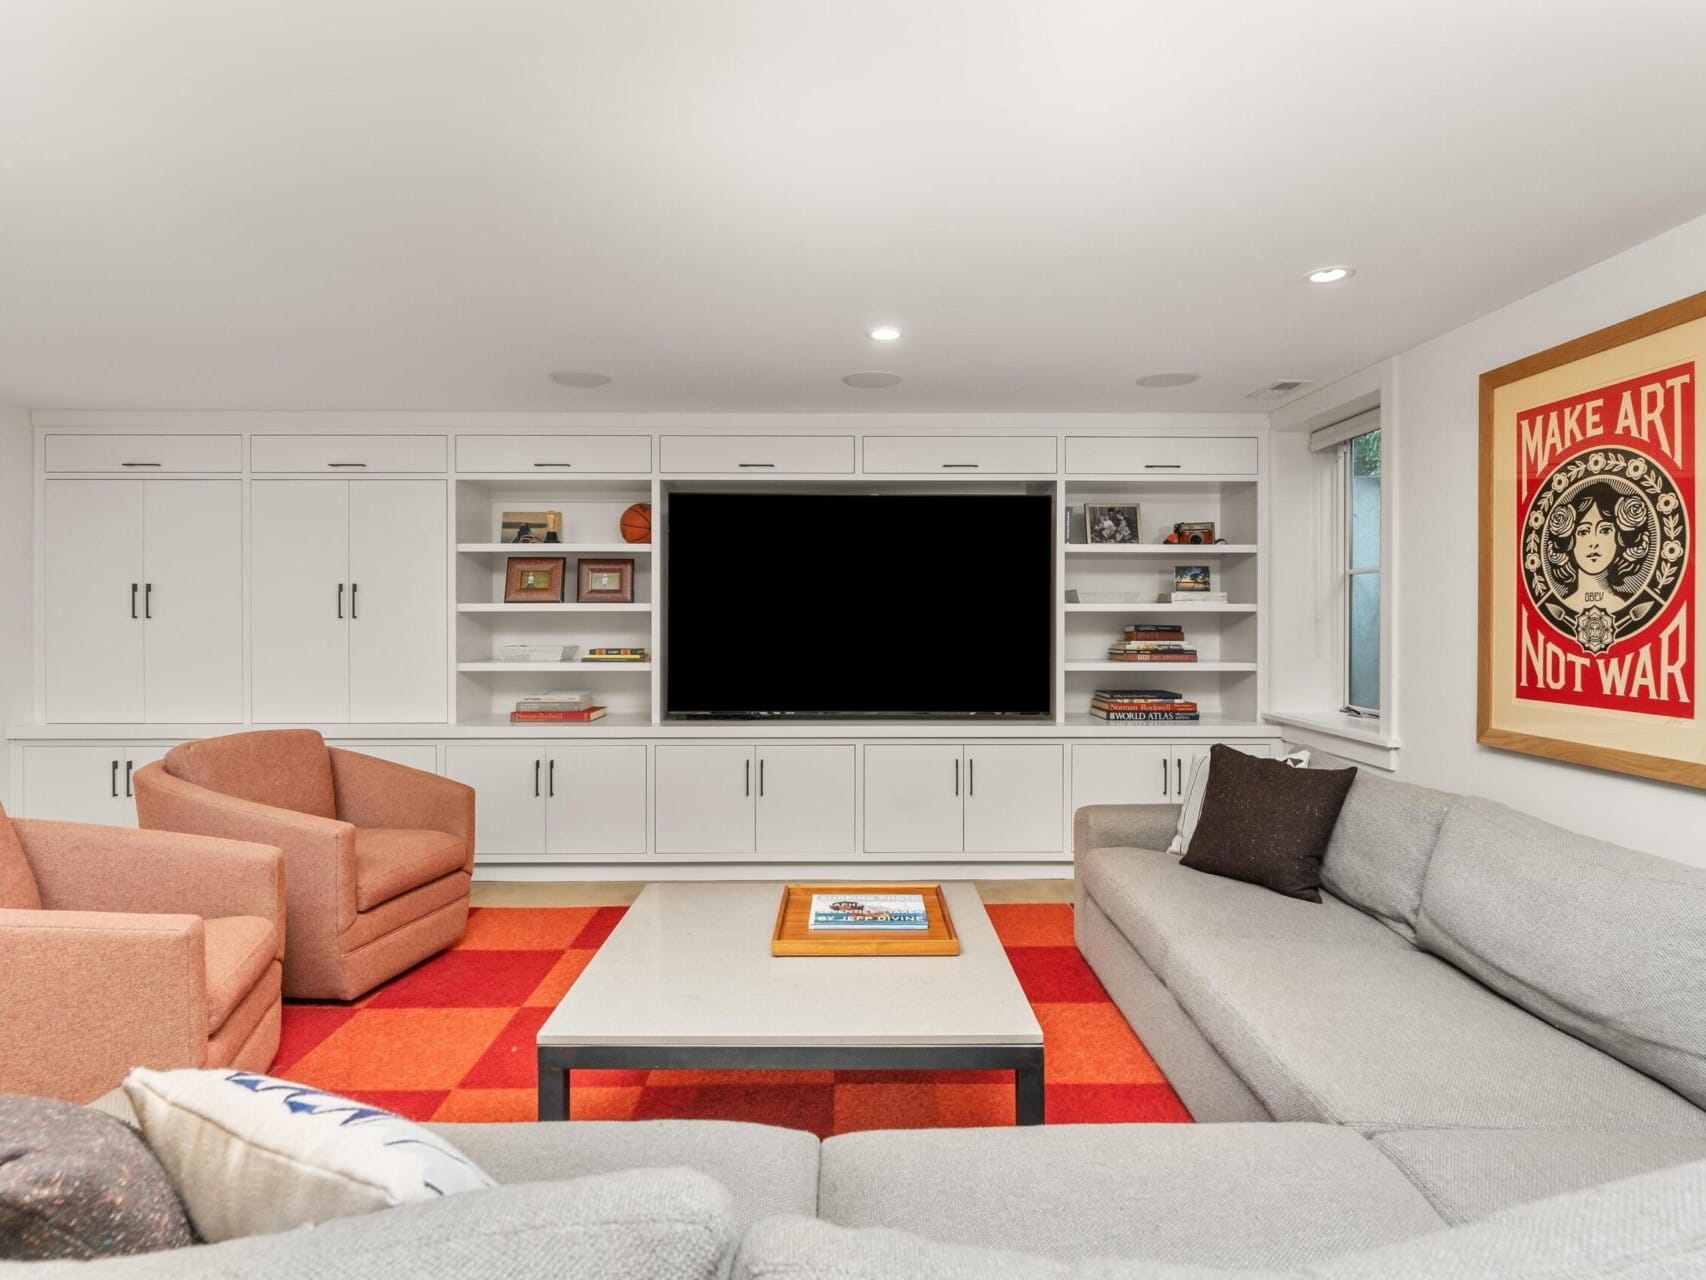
column 1191, row 597
column 556, row 708
column 616, row 655
column 1142, row 705
column 1152, row 642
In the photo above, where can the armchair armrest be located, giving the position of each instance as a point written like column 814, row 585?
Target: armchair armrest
column 81, row 867
column 319, row 853
column 88, row 995
column 380, row 793
column 1123, row 826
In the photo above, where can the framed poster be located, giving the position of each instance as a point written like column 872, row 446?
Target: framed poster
column 1589, row 500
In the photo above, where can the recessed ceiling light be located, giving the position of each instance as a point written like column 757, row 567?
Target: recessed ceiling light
column 1167, row 379
column 1330, row 275
column 579, row 378
column 871, row 379
column 884, row 333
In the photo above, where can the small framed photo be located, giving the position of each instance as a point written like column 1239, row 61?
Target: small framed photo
column 1110, row 524
column 1190, row 577
column 531, row 526
column 533, row 581
column 606, row 582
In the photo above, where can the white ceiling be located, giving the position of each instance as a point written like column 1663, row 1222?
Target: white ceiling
column 426, row 204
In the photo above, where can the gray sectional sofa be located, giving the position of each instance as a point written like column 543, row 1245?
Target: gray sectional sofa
column 1487, row 1046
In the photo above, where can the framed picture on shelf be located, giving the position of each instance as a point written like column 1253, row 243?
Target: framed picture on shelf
column 533, row 581
column 531, row 526
column 1590, row 498
column 1191, row 577
column 606, row 582
column 1110, row 524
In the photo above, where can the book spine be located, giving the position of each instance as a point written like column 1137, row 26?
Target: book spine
column 1153, row 657
column 556, row 717
column 1146, row 717
column 1145, row 706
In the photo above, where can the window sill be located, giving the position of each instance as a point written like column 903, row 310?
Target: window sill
column 1356, row 738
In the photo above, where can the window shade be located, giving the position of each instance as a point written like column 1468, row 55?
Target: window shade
column 1339, row 432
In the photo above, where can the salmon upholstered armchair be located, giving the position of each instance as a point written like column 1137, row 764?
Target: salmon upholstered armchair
column 377, row 856
column 123, row 948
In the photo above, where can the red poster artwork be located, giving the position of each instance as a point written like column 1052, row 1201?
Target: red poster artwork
column 1605, row 592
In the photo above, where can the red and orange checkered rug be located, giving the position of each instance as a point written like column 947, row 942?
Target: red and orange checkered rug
column 452, row 1039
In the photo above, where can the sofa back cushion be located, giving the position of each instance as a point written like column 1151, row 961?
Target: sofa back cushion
column 1378, row 855
column 284, row 768
column 1603, row 942
column 17, row 882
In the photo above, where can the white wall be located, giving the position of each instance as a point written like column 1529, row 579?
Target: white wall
column 1437, row 556
column 17, row 501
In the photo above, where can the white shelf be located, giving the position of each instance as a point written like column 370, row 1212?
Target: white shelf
column 1175, row 667
column 553, row 666
column 1160, row 608
column 543, row 549
column 1161, row 549
column 553, row 608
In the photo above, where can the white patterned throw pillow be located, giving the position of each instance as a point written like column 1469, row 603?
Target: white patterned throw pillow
column 1191, row 808
column 251, row 1155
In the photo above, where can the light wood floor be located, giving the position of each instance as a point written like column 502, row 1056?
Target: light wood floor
column 620, row 893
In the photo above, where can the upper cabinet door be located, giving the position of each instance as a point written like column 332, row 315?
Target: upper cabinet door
column 193, row 601
column 141, row 455
column 1013, row 798
column 299, row 601
column 914, row 799
column 1163, row 455
column 547, row 455
column 399, row 624
column 92, row 606
column 755, row 454
column 706, row 799
column 1013, row 455
column 805, row 799
column 348, row 455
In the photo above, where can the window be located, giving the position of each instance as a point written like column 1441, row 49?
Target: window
column 1359, row 472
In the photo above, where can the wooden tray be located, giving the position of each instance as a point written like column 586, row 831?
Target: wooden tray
column 794, row 935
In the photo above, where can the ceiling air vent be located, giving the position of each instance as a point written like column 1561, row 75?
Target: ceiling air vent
column 1278, row 390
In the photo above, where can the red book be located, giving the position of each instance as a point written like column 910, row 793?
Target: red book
column 557, row 717
column 1154, row 657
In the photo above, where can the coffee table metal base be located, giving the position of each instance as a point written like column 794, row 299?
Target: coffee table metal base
column 1024, row 1061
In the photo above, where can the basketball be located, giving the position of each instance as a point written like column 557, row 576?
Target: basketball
column 637, row 523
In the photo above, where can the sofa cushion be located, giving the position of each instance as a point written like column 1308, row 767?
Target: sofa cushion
column 1602, row 941
column 1468, row 1174
column 250, row 1154
column 1378, row 855
column 388, row 862
column 75, row 1183
column 1155, row 902
column 239, row 949
column 650, row 1224
column 1297, row 1193
column 284, row 768
column 1397, row 1039
column 17, row 882
column 766, row 1170
column 1267, row 823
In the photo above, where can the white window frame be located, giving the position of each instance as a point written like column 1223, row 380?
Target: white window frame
column 1349, row 569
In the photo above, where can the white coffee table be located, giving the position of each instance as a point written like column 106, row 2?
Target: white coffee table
column 687, row 980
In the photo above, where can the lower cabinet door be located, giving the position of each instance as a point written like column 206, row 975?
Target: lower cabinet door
column 595, row 799
column 509, row 799
column 1013, row 798
column 805, row 800
column 78, row 784
column 914, row 799
column 1124, row 773
column 706, row 799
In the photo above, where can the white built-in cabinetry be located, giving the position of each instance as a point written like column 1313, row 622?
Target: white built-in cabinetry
column 347, row 618
column 190, row 579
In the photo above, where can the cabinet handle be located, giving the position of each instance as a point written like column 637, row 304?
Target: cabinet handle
column 115, row 780
column 971, row 777
column 340, row 602
column 960, row 466
column 346, row 464
column 353, row 588
column 133, row 600
column 1164, row 790
column 757, row 464
column 551, row 778
column 139, row 464
column 749, row 777
column 147, row 599
column 1179, row 776
column 128, row 766
column 761, row 778
column 536, row 779
column 553, row 464
column 956, row 777
column 1163, row 466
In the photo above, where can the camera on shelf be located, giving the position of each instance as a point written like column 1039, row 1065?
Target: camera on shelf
column 1195, row 533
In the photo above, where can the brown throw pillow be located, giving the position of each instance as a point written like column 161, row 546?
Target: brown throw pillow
column 77, row 1183
column 1267, row 823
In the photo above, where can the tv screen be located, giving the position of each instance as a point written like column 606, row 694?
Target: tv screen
column 858, row 605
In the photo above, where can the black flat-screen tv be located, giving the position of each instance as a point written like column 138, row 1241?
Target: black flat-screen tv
column 858, row 605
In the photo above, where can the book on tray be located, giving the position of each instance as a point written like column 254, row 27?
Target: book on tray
column 888, row 912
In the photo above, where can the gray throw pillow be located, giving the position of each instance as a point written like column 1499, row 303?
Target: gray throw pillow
column 78, row 1184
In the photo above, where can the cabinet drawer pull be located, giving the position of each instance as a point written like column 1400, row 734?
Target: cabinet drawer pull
column 971, row 777
column 1164, row 790
column 551, row 778
column 139, row 464
column 1163, row 466
column 147, row 599
column 963, row 466
column 133, row 600
column 346, row 464
column 536, row 779
column 353, row 588
column 115, row 780
column 757, row 464
column 956, row 777
column 749, row 777
column 1179, row 776
column 761, row 779
column 553, row 464
column 340, row 602
column 128, row 766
